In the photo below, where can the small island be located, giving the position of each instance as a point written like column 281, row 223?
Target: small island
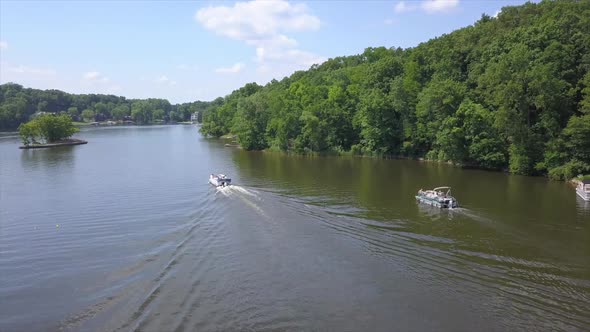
column 48, row 130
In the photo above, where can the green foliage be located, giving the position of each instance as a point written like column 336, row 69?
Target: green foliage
column 174, row 116
column 379, row 124
column 88, row 115
column 159, row 114
column 585, row 102
column 73, row 112
column 485, row 146
column 250, row 124
column 511, row 92
column 569, row 154
column 141, row 113
column 569, row 170
column 577, row 138
column 120, row 112
column 29, row 132
column 101, row 108
column 48, row 127
column 218, row 118
column 506, row 93
column 18, row 105
column 438, row 101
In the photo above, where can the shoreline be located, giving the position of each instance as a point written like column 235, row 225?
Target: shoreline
column 573, row 181
column 68, row 142
column 90, row 125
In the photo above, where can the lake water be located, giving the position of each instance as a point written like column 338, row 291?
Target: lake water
column 125, row 234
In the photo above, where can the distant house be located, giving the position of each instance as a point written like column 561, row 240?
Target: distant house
column 195, row 117
column 36, row 114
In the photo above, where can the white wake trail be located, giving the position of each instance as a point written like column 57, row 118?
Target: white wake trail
column 244, row 195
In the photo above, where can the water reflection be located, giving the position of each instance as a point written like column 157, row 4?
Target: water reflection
column 436, row 213
column 49, row 158
column 9, row 136
column 583, row 207
column 320, row 243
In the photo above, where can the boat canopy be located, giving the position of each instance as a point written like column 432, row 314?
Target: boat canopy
column 441, row 188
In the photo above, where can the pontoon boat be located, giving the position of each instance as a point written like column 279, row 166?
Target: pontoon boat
column 583, row 189
column 219, row 180
column 439, row 197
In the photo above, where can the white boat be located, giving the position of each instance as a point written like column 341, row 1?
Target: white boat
column 583, row 189
column 219, row 180
column 439, row 197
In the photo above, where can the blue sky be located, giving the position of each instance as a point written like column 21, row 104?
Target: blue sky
column 185, row 51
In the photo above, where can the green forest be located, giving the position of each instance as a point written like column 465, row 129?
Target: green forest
column 19, row 105
column 510, row 92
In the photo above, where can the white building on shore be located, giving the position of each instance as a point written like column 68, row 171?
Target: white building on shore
column 195, row 117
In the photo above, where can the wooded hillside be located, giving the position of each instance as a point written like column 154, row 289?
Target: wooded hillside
column 510, row 92
column 18, row 105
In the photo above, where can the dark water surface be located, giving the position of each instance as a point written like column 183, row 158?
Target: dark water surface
column 125, row 234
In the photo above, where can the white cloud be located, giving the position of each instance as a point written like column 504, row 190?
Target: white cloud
column 433, row 6
column 254, row 20
column 3, row 45
column 429, row 6
column 389, row 21
column 97, row 83
column 91, row 75
column 95, row 77
column 22, row 69
column 30, row 76
column 265, row 55
column 263, row 25
column 162, row 79
column 165, row 80
column 236, row 68
column 402, row 7
column 497, row 13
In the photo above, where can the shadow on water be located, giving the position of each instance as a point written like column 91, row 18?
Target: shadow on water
column 48, row 158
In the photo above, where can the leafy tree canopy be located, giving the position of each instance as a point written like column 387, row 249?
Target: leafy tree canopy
column 47, row 128
column 509, row 92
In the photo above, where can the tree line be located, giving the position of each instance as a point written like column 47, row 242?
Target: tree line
column 19, row 105
column 510, row 92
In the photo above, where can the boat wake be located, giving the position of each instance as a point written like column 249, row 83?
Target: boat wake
column 243, row 190
column 473, row 215
column 247, row 196
column 455, row 213
column 234, row 189
column 223, row 191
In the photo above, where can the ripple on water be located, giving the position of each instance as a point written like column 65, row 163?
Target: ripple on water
column 144, row 244
column 547, row 292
